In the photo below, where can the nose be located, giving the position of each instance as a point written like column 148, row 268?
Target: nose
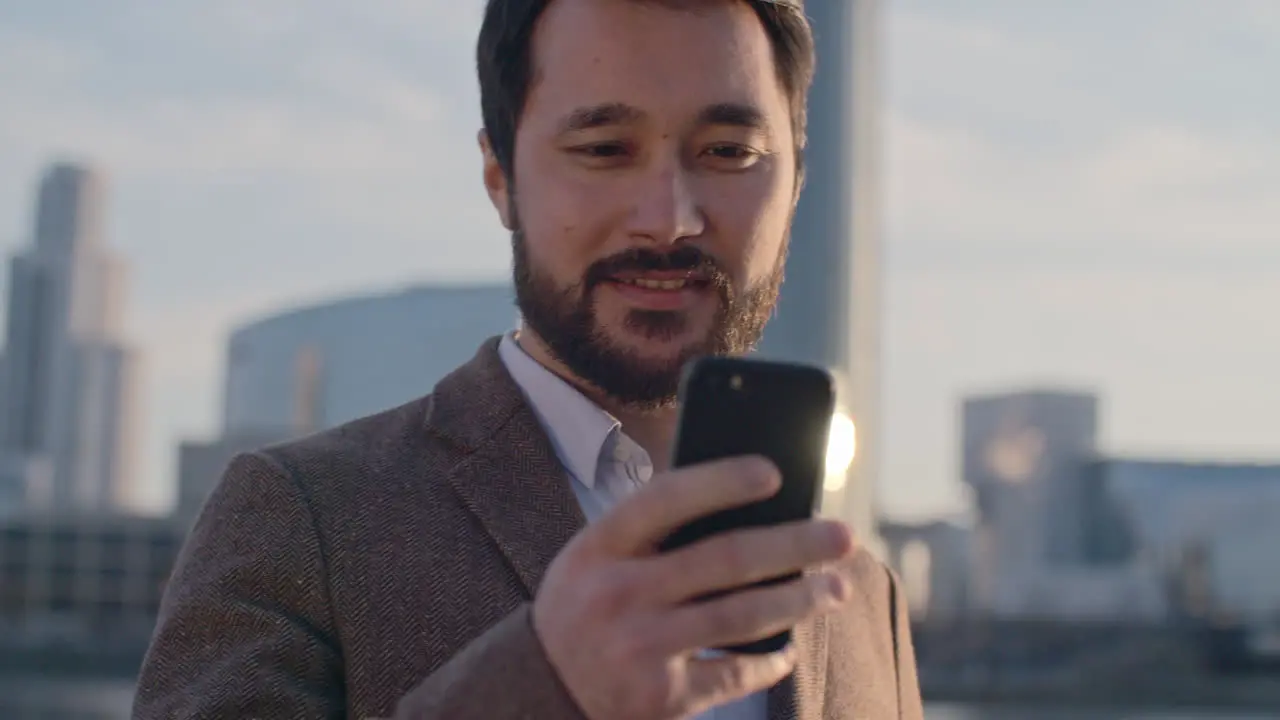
column 666, row 208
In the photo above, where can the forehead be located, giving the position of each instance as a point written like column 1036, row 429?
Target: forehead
column 665, row 57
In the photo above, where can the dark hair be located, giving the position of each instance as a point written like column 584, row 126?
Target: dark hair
column 505, row 65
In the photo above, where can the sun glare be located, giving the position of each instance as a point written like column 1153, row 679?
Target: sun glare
column 842, row 445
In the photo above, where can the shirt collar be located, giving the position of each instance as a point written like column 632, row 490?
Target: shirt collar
column 577, row 427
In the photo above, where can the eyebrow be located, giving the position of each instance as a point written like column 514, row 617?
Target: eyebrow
column 598, row 116
column 607, row 114
column 734, row 115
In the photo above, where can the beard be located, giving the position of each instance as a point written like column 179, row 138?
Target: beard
column 566, row 320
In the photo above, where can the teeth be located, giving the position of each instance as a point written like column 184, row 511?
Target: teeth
column 658, row 284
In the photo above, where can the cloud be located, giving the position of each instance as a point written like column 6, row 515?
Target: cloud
column 1139, row 191
column 291, row 87
column 1013, row 133
column 1261, row 16
column 28, row 60
column 338, row 141
column 1160, row 159
column 388, row 125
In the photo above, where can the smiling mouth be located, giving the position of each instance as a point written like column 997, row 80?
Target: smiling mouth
column 650, row 284
column 663, row 282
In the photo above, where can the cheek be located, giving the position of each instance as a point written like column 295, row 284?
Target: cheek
column 751, row 224
column 561, row 222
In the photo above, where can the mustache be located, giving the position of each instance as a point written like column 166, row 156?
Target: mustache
column 687, row 258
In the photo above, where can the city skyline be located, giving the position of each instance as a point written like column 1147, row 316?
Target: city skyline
column 1082, row 198
column 67, row 420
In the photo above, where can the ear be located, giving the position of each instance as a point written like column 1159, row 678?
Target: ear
column 495, row 181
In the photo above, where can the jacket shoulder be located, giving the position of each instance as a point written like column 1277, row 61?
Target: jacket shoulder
column 361, row 437
column 872, row 670
column 355, row 463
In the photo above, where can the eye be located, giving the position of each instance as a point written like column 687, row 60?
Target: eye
column 728, row 152
column 602, row 151
column 732, row 155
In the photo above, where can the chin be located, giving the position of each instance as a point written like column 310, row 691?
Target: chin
column 657, row 343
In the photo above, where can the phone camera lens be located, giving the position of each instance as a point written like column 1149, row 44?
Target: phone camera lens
column 735, row 382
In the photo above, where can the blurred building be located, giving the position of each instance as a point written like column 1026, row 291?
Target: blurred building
column 1023, row 454
column 1066, row 534
column 66, row 412
column 829, row 311
column 327, row 364
column 320, row 366
column 71, row 577
column 1207, row 530
column 18, row 472
column 933, row 560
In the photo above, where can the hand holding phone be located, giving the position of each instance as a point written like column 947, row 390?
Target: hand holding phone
column 734, row 407
column 622, row 623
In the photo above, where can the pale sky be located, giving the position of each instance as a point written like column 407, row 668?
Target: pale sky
column 1084, row 193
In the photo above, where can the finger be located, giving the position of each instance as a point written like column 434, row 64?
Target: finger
column 754, row 614
column 714, row 681
column 743, row 557
column 638, row 524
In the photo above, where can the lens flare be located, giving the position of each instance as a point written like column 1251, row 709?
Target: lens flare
column 842, row 446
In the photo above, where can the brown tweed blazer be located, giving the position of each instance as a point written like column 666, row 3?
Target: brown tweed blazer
column 386, row 568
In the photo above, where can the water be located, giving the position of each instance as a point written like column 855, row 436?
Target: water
column 40, row 699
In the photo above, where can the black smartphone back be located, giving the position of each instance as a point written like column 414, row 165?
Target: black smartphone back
column 736, row 406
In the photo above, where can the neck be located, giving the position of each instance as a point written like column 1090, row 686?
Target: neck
column 653, row 429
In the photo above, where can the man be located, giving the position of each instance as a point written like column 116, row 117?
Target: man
column 488, row 551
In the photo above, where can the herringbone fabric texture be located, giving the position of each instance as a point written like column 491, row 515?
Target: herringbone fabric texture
column 386, row 567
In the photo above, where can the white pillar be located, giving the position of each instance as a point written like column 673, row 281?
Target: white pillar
column 829, row 313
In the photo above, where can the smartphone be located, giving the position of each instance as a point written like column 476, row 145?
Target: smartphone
column 734, row 406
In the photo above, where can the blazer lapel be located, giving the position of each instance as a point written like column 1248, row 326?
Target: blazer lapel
column 509, row 477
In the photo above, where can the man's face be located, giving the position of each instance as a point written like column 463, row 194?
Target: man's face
column 653, row 188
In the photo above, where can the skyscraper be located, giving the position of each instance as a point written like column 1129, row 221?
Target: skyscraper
column 66, row 411
column 830, row 306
